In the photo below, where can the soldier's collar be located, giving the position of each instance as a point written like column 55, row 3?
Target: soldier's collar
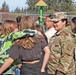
column 65, row 29
column 59, row 32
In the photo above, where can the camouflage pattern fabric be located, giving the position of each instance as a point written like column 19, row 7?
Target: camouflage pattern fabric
column 59, row 15
column 74, row 35
column 62, row 52
column 75, row 40
column 7, row 41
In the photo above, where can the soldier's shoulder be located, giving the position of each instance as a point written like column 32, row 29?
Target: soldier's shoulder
column 66, row 34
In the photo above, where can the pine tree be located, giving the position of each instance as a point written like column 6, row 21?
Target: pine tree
column 5, row 6
column 17, row 10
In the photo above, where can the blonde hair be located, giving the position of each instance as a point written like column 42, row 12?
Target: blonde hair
column 27, row 23
column 29, row 42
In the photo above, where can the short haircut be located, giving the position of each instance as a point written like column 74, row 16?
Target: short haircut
column 64, row 20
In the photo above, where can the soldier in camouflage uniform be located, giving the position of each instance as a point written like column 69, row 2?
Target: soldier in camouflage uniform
column 61, row 45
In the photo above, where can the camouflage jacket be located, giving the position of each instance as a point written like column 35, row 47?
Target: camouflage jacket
column 7, row 41
column 62, row 50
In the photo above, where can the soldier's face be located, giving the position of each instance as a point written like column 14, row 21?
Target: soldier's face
column 59, row 25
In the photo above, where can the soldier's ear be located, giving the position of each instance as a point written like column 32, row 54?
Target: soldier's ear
column 64, row 22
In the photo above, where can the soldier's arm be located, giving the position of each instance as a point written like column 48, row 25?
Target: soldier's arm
column 67, row 49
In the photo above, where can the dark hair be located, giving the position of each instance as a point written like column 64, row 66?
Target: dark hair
column 74, row 21
column 40, row 28
column 50, row 16
column 74, row 31
column 18, row 19
column 64, row 20
column 0, row 23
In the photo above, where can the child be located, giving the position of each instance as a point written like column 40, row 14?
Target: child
column 9, row 35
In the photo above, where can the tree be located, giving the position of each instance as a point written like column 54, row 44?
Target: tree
column 55, row 5
column 31, row 4
column 17, row 10
column 5, row 6
column 66, row 5
column 22, row 10
column 60, row 5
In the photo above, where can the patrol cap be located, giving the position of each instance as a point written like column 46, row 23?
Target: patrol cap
column 58, row 16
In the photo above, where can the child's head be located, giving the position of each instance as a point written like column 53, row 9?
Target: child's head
column 10, row 26
column 27, row 23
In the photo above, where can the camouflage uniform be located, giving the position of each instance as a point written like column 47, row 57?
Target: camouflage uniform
column 74, row 35
column 61, row 56
column 7, row 41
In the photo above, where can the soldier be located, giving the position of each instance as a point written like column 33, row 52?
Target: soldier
column 61, row 45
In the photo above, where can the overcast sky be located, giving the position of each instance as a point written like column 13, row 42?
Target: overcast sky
column 14, row 3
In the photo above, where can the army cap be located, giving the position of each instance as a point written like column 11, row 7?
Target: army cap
column 58, row 16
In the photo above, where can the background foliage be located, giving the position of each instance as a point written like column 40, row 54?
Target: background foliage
column 53, row 6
